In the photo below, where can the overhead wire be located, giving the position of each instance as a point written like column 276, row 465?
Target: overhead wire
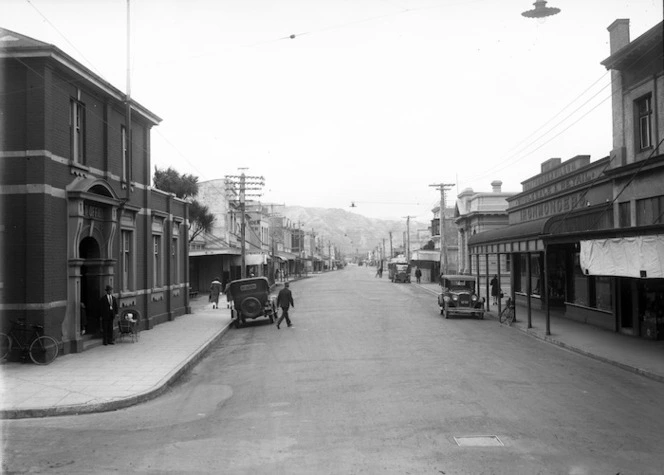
column 515, row 158
column 510, row 160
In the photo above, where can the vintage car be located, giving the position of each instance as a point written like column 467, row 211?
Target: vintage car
column 398, row 270
column 459, row 296
column 250, row 299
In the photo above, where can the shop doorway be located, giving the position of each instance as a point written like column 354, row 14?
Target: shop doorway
column 626, row 305
column 90, row 285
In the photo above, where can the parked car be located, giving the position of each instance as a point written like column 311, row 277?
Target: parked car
column 459, row 296
column 250, row 299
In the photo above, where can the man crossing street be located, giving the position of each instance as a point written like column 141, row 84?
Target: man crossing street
column 285, row 300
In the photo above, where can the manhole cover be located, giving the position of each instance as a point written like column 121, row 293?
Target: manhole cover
column 479, row 441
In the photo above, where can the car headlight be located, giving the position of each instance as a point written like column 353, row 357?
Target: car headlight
column 455, row 297
column 474, row 298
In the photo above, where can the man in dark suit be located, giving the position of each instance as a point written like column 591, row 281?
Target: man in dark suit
column 108, row 309
column 285, row 300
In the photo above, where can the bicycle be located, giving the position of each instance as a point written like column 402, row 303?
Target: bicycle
column 506, row 316
column 31, row 342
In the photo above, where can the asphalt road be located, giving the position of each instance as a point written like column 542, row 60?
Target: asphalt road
column 371, row 379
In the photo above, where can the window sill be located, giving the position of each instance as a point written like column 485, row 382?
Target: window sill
column 586, row 307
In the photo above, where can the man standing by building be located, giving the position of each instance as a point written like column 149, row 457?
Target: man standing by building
column 285, row 300
column 108, row 309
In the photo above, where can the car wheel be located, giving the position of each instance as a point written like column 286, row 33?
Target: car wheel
column 251, row 307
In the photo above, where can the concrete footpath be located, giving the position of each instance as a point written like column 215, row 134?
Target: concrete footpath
column 106, row 378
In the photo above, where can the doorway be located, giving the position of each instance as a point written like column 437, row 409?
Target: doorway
column 90, row 286
column 626, row 305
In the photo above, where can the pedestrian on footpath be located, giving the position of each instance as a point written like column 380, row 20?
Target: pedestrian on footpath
column 418, row 274
column 215, row 290
column 495, row 289
column 285, row 300
column 108, row 309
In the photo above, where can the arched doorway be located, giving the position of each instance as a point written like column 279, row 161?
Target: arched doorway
column 89, row 251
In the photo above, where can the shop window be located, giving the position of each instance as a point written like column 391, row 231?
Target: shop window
column 520, row 276
column 644, row 122
column 581, row 288
column 535, row 273
column 603, row 296
column 77, row 131
column 624, row 215
column 650, row 211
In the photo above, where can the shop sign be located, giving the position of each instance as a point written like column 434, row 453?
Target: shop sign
column 557, row 187
column 551, row 207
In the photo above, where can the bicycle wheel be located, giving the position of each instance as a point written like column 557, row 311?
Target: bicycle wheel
column 502, row 315
column 5, row 346
column 43, row 350
column 509, row 316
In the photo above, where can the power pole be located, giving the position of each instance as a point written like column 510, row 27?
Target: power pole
column 443, row 187
column 238, row 184
column 407, row 240
column 391, row 249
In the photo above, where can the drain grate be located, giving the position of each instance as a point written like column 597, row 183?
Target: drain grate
column 479, row 441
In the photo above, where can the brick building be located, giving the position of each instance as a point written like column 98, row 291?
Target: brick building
column 77, row 211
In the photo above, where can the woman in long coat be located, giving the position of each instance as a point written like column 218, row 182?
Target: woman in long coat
column 495, row 289
column 215, row 290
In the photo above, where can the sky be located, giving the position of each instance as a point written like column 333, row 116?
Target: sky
column 368, row 102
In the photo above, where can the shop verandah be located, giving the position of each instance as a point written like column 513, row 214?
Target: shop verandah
column 545, row 262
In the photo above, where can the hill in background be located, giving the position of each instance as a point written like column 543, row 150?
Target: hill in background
column 350, row 231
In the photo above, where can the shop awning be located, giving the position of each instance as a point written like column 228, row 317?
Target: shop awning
column 285, row 256
column 255, row 259
column 425, row 255
column 229, row 251
column 637, row 256
column 531, row 235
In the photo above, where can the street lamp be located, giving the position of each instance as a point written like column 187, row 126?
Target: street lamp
column 541, row 10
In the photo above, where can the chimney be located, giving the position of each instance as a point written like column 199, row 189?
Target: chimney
column 496, row 185
column 618, row 34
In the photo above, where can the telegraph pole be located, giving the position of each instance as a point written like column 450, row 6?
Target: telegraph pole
column 443, row 187
column 238, row 184
column 407, row 240
column 391, row 249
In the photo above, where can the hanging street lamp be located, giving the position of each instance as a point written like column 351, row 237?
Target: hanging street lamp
column 541, row 10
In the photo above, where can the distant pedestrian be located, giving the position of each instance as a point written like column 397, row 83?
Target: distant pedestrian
column 215, row 290
column 108, row 310
column 285, row 301
column 495, row 289
column 418, row 274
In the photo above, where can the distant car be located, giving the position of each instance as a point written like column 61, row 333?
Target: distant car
column 459, row 296
column 250, row 299
column 401, row 272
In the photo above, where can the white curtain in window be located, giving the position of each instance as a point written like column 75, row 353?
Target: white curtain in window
column 624, row 257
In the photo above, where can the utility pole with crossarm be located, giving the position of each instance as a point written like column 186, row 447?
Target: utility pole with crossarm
column 443, row 187
column 238, row 185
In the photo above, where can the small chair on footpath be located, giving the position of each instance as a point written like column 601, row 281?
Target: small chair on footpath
column 129, row 325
